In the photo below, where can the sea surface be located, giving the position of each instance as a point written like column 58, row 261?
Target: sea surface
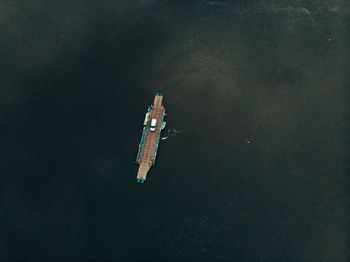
column 255, row 166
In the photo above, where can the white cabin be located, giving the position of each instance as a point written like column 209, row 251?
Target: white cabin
column 153, row 124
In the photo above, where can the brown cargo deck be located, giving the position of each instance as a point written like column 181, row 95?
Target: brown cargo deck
column 149, row 144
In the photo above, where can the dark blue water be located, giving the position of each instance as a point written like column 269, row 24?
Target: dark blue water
column 257, row 90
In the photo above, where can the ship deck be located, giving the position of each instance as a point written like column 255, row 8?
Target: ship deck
column 150, row 140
